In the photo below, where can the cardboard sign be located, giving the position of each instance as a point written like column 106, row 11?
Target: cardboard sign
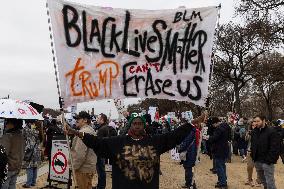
column 105, row 53
column 59, row 168
column 152, row 112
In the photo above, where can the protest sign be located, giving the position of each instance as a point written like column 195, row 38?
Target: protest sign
column 59, row 167
column 119, row 104
column 73, row 109
column 152, row 112
column 105, row 53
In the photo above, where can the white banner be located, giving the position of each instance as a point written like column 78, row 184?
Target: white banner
column 59, row 168
column 120, row 53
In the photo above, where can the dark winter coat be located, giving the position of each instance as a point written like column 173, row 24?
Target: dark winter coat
column 3, row 165
column 280, row 132
column 103, row 131
column 112, row 131
column 14, row 144
column 265, row 145
column 189, row 145
column 219, row 141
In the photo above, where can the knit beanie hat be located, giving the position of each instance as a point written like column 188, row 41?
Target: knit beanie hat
column 135, row 116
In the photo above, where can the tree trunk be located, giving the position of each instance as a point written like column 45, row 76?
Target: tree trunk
column 237, row 100
column 270, row 114
column 268, row 103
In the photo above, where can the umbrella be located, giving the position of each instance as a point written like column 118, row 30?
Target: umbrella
column 18, row 109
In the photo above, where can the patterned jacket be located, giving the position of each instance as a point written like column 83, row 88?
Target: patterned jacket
column 32, row 142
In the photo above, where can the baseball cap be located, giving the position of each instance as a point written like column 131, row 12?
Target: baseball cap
column 82, row 115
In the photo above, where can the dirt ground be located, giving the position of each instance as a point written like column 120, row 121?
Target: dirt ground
column 173, row 175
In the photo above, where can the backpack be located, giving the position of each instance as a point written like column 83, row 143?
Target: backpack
column 280, row 132
column 3, row 165
column 242, row 132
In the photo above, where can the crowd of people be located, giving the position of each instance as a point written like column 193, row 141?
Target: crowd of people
column 258, row 142
column 133, row 147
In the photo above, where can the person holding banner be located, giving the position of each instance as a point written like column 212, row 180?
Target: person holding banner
column 84, row 159
column 135, row 155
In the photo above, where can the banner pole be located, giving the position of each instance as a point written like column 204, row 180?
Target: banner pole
column 59, row 94
column 207, row 106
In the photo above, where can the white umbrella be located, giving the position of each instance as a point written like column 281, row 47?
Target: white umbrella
column 18, row 109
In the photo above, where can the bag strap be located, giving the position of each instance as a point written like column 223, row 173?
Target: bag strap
column 191, row 143
column 32, row 152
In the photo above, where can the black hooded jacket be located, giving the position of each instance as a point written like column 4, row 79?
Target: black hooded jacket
column 219, row 141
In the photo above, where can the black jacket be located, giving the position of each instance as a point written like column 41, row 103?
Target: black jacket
column 265, row 145
column 219, row 141
column 103, row 131
column 112, row 131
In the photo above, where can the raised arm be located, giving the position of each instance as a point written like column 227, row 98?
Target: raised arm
column 169, row 140
column 101, row 146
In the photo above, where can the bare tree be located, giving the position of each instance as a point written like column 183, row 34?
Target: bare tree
column 269, row 77
column 237, row 47
column 267, row 14
column 260, row 5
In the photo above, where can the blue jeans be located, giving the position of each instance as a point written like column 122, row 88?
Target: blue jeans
column 101, row 173
column 265, row 173
column 203, row 144
column 221, row 170
column 230, row 152
column 243, row 152
column 214, row 163
column 31, row 176
column 188, row 176
column 10, row 183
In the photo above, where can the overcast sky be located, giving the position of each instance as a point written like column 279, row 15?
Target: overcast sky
column 26, row 70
